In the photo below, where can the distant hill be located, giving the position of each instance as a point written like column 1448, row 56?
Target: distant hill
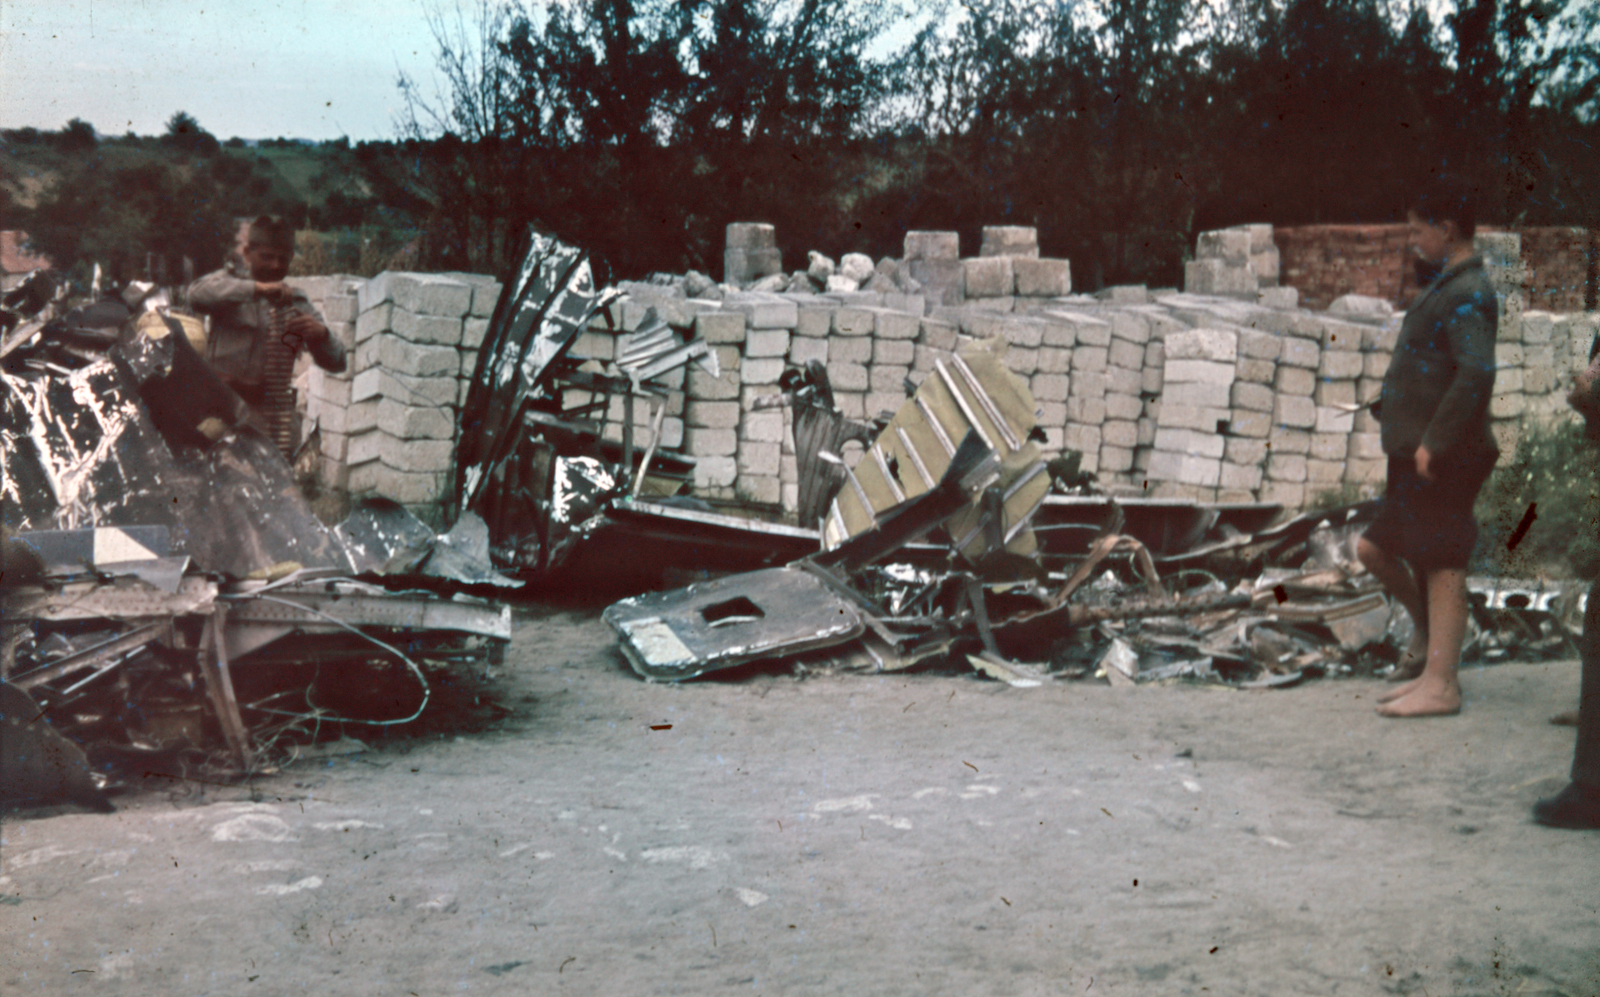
column 126, row 201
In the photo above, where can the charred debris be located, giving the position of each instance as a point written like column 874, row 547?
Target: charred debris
column 173, row 606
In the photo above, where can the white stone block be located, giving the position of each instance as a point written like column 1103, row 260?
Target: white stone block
column 894, row 351
column 413, row 422
column 710, row 442
column 1329, row 446
column 920, row 245
column 418, row 293
column 987, row 277
column 1121, row 405
column 1286, row 467
column 712, row 415
column 1340, row 365
column 1295, row 412
column 402, row 357
column 1198, row 372
column 763, row 311
column 1188, row 441
column 848, row 376
column 715, row 472
column 888, row 378
column 1246, row 423
column 766, row 343
column 1042, row 278
column 803, row 350
column 763, row 370
column 1297, row 352
column 1202, row 344
column 847, row 349
column 1243, row 477
column 720, row 327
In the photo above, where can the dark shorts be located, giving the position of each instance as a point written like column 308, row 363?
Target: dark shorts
column 1429, row 523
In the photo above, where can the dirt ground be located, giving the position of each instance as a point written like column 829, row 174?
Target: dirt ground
column 931, row 834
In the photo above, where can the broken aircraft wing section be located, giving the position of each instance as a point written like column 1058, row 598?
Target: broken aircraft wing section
column 731, row 621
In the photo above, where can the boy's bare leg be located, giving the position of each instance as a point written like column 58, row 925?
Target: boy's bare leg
column 1438, row 691
column 1400, row 583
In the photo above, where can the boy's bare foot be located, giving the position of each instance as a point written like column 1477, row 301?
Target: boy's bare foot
column 1428, row 699
column 1398, row 691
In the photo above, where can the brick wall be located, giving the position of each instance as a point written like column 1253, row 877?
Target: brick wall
column 1325, row 262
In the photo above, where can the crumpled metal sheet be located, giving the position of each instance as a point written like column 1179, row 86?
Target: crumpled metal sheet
column 540, row 311
column 82, row 449
column 382, row 537
column 79, row 451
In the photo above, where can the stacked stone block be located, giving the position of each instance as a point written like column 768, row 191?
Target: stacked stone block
column 416, row 339
column 1009, row 275
column 751, row 253
column 1236, row 261
column 1131, row 338
column 1209, row 396
column 1191, row 428
column 933, row 259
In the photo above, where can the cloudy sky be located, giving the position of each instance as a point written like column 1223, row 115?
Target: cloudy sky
column 253, row 68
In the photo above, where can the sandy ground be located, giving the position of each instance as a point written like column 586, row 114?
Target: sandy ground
column 930, row 834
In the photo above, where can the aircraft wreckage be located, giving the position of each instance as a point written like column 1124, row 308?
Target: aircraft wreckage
column 170, row 600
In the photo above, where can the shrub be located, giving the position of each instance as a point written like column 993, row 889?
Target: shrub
column 1554, row 469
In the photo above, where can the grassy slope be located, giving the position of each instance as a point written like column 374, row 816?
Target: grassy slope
column 27, row 170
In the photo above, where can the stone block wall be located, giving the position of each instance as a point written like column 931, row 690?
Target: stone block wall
column 387, row 425
column 1231, row 397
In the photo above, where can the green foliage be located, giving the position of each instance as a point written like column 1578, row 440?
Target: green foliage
column 184, row 133
column 77, row 137
column 1119, row 128
column 137, row 207
column 1558, row 470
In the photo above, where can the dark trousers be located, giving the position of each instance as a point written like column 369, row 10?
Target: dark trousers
column 1586, row 759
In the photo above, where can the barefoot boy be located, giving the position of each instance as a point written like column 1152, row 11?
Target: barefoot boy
column 1435, row 422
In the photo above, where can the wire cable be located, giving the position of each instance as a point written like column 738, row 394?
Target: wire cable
column 415, row 670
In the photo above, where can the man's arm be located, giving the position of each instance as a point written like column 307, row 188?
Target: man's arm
column 306, row 326
column 1472, row 333
column 220, row 287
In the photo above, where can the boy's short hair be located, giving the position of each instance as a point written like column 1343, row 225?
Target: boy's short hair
column 272, row 232
column 1447, row 197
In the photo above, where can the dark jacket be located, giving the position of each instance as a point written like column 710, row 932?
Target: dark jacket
column 1436, row 393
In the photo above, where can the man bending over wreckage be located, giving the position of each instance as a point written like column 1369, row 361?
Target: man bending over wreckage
column 1435, row 420
column 249, row 304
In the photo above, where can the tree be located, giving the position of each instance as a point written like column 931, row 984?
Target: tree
column 119, row 217
column 78, row 137
column 184, row 132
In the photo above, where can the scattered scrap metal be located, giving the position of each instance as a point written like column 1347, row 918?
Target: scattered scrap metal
column 1028, row 585
column 159, row 559
column 950, row 539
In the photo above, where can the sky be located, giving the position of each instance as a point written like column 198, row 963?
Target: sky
column 315, row 69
